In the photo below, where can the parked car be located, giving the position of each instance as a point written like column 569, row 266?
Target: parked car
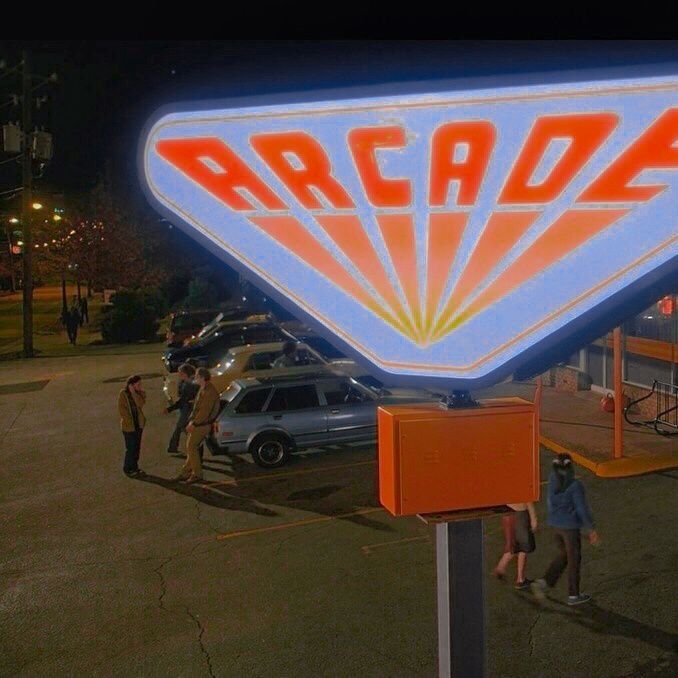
column 270, row 417
column 208, row 351
column 333, row 356
column 221, row 321
column 186, row 323
column 251, row 360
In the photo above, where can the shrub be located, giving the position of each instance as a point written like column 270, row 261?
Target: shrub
column 132, row 316
column 202, row 293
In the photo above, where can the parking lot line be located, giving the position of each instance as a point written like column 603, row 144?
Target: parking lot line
column 306, row 521
column 298, row 523
column 286, row 474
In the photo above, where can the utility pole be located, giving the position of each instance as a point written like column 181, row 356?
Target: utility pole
column 11, row 257
column 26, row 200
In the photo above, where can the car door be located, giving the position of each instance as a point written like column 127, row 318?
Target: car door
column 297, row 409
column 351, row 410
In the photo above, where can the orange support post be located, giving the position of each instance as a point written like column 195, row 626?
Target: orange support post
column 618, row 397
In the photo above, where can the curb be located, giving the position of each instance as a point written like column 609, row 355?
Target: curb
column 617, row 468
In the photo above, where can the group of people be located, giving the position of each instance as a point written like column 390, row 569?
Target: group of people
column 198, row 407
column 74, row 317
column 568, row 514
column 568, row 511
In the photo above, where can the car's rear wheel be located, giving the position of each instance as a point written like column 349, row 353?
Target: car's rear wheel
column 270, row 450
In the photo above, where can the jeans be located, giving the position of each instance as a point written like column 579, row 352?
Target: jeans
column 132, row 451
column 569, row 547
column 173, row 446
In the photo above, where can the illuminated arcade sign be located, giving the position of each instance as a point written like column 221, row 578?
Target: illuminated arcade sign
column 438, row 235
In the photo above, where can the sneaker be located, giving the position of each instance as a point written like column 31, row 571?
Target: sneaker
column 523, row 585
column 538, row 588
column 578, row 600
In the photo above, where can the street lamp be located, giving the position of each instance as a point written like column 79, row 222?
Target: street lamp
column 13, row 220
column 37, row 205
column 56, row 217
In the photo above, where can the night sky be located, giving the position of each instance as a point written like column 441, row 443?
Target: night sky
column 108, row 89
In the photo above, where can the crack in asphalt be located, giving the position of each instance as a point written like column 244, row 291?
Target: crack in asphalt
column 203, row 649
column 11, row 426
column 531, row 632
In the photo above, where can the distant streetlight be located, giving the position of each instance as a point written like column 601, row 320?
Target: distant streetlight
column 13, row 220
column 56, row 217
column 20, row 242
column 37, row 205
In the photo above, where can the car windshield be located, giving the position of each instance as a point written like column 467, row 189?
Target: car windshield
column 224, row 364
column 211, row 326
column 231, row 392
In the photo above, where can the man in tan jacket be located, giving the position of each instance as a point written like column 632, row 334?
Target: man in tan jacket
column 131, row 401
column 205, row 412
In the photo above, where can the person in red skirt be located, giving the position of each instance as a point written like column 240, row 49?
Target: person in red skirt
column 519, row 527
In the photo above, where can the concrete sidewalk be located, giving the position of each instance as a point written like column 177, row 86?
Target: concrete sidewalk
column 575, row 423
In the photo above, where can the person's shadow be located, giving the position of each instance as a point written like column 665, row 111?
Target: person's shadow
column 211, row 495
column 605, row 622
column 241, row 490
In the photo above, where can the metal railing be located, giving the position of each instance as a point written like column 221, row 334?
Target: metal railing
column 666, row 400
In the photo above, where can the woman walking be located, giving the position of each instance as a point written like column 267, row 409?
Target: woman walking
column 131, row 401
column 568, row 513
column 519, row 527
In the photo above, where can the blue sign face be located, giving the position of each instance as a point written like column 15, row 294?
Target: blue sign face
column 452, row 235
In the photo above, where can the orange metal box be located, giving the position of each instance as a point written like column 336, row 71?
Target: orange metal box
column 434, row 460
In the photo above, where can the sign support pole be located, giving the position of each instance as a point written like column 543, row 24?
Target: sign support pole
column 461, row 599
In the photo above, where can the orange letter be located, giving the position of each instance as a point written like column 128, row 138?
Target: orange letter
column 654, row 149
column 586, row 132
column 315, row 167
column 231, row 172
column 380, row 192
column 479, row 137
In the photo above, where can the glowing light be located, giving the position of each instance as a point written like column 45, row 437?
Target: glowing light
column 37, row 206
column 13, row 220
column 530, row 206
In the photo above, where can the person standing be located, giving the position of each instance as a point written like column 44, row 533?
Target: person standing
column 131, row 401
column 72, row 324
column 188, row 390
column 84, row 311
column 568, row 513
column 288, row 357
column 203, row 415
column 519, row 527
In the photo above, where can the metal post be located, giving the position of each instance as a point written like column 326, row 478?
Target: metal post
column 27, row 180
column 461, row 601
column 618, row 396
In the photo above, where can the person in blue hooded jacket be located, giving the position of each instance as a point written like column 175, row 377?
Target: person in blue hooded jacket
column 568, row 514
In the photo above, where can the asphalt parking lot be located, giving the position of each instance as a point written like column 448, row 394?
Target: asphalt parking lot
column 294, row 572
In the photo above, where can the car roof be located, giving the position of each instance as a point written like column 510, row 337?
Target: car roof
column 262, row 348
column 292, row 377
column 238, row 326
